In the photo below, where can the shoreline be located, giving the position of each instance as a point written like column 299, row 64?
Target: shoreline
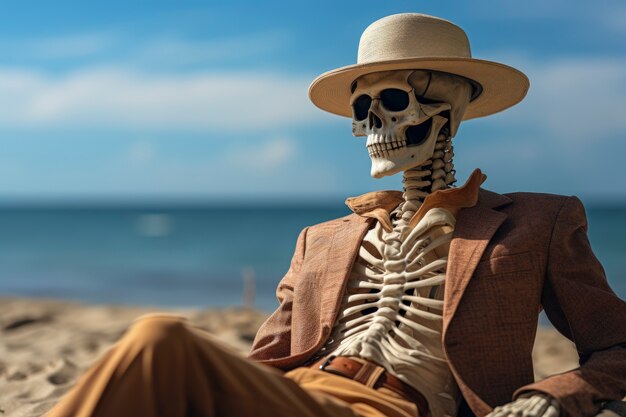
column 46, row 344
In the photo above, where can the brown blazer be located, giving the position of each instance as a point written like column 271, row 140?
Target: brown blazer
column 510, row 256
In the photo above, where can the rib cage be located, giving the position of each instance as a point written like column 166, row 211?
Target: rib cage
column 392, row 311
column 398, row 278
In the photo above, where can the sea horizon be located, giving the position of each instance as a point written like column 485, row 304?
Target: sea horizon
column 194, row 255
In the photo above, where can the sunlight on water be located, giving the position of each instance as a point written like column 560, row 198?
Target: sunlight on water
column 155, row 225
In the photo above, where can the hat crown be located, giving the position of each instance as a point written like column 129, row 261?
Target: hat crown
column 412, row 35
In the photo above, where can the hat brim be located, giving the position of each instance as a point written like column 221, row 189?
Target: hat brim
column 502, row 86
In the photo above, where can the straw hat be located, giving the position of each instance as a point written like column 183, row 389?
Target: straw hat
column 418, row 41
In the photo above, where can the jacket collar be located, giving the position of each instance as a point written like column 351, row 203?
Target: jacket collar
column 379, row 204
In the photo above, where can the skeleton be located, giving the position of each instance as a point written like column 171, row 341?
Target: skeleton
column 392, row 312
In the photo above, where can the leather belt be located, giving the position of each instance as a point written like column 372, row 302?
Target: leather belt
column 373, row 376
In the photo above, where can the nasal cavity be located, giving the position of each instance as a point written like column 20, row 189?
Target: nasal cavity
column 374, row 121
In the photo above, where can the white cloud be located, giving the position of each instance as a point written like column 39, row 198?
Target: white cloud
column 614, row 18
column 73, row 45
column 263, row 168
column 120, row 98
column 566, row 137
column 576, row 99
column 60, row 47
column 172, row 51
column 128, row 93
column 140, row 153
column 586, row 15
column 529, row 9
column 266, row 156
column 165, row 51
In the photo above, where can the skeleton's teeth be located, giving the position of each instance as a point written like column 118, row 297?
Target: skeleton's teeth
column 380, row 146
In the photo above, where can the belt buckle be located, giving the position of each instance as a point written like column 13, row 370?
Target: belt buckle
column 327, row 362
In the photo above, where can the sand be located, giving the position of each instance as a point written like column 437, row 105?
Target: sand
column 46, row 344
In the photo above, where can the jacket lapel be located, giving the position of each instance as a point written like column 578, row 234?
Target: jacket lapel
column 344, row 247
column 474, row 228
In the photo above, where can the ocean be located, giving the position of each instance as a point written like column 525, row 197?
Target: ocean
column 189, row 256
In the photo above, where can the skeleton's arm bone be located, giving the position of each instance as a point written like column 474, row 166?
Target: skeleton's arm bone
column 535, row 405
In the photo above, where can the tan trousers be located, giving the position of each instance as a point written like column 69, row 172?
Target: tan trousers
column 163, row 366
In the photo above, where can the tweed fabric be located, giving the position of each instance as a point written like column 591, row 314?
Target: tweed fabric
column 510, row 256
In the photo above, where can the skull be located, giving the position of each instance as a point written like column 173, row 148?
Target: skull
column 402, row 113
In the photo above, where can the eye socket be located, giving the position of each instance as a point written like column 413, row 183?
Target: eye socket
column 394, row 99
column 361, row 107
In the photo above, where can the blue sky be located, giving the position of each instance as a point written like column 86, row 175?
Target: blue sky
column 194, row 100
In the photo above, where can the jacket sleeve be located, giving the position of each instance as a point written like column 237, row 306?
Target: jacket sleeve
column 581, row 305
column 273, row 340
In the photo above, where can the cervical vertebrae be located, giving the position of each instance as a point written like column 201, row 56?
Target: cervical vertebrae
column 434, row 174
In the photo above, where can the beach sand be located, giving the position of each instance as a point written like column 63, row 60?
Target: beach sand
column 46, row 344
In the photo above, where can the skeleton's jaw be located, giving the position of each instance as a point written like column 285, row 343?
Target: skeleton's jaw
column 382, row 167
column 390, row 155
